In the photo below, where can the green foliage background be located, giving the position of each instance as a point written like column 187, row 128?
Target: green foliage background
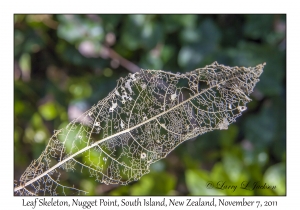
column 66, row 63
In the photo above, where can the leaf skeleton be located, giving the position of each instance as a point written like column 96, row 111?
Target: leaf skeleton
column 141, row 121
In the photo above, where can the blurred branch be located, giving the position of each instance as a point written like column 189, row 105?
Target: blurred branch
column 107, row 52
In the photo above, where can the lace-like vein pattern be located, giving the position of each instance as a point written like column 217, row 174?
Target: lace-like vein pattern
column 141, row 121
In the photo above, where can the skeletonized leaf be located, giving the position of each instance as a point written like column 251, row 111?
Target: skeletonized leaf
column 141, row 121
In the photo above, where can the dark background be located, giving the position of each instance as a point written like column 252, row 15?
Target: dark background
column 66, row 63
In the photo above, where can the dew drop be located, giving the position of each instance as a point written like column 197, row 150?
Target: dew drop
column 144, row 86
column 56, row 131
column 229, row 106
column 105, row 159
column 242, row 108
column 133, row 77
column 117, row 93
column 143, row 155
column 97, row 123
column 224, row 124
column 173, row 96
column 122, row 124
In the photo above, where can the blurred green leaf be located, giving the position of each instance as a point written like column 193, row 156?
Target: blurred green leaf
column 154, row 184
column 80, row 90
column 258, row 26
column 189, row 57
column 260, row 128
column 229, row 136
column 48, row 111
column 232, row 165
column 275, row 176
column 25, row 63
column 197, row 183
column 210, row 34
column 73, row 29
